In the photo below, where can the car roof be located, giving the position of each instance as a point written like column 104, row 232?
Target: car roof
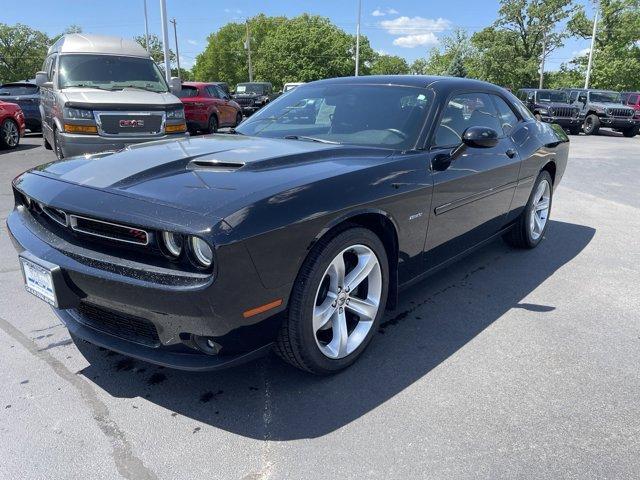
column 195, row 84
column 423, row 81
column 103, row 44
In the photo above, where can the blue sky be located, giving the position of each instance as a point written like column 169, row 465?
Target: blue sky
column 409, row 28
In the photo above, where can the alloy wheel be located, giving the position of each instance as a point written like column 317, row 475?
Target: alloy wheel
column 10, row 134
column 540, row 209
column 347, row 301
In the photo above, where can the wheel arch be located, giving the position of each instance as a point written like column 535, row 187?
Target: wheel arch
column 551, row 168
column 384, row 226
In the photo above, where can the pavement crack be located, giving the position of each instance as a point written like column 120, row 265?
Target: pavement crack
column 128, row 465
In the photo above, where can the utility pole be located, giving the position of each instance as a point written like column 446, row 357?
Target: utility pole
column 146, row 27
column 247, row 46
column 544, row 54
column 165, row 40
column 358, row 38
column 593, row 44
column 175, row 36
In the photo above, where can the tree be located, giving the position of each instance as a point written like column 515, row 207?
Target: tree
column 616, row 57
column 456, row 67
column 389, row 65
column 307, row 48
column 184, row 74
column 509, row 51
column 456, row 45
column 22, row 52
column 155, row 49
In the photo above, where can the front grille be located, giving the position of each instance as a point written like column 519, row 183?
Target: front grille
column 620, row 112
column 108, row 230
column 244, row 102
column 145, row 123
column 563, row 112
column 118, row 324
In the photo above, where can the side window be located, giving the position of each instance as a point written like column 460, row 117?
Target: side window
column 633, row 99
column 212, row 91
column 573, row 96
column 582, row 97
column 51, row 71
column 507, row 118
column 464, row 111
column 221, row 93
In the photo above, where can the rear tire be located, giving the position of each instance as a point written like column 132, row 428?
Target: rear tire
column 591, row 125
column 630, row 132
column 212, row 126
column 9, row 134
column 531, row 226
column 322, row 333
column 238, row 119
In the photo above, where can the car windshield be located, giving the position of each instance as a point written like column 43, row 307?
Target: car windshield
column 605, row 97
column 188, row 91
column 250, row 88
column 18, row 89
column 552, row 96
column 372, row 115
column 110, row 72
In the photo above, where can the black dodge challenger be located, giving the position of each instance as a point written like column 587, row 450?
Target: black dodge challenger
column 293, row 232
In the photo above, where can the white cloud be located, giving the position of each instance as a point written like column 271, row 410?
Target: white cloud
column 192, row 42
column 381, row 12
column 415, row 31
column 581, row 53
column 237, row 11
column 412, row 41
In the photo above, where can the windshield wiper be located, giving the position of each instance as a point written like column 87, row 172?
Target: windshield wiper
column 82, row 85
column 122, row 87
column 310, row 139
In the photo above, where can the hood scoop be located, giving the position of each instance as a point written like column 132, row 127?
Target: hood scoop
column 214, row 165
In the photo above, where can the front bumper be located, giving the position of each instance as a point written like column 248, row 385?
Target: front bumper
column 250, row 110
column 79, row 144
column 619, row 123
column 566, row 122
column 177, row 311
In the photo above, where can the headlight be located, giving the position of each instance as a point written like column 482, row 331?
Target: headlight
column 172, row 242
column 175, row 114
column 608, row 111
column 201, row 251
column 257, row 101
column 543, row 111
column 78, row 113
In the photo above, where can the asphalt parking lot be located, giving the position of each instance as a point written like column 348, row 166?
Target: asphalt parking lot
column 510, row 364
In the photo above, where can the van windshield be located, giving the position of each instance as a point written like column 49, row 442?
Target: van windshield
column 110, row 72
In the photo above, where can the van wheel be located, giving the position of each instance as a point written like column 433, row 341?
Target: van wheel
column 591, row 125
column 56, row 145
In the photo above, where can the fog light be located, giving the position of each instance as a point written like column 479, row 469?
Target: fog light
column 201, row 251
column 172, row 243
column 206, row 344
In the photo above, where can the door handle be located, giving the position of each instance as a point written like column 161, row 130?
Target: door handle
column 510, row 153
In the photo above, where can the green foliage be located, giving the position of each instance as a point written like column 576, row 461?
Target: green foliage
column 456, row 48
column 155, row 49
column 183, row 74
column 457, row 68
column 616, row 57
column 22, row 52
column 565, row 77
column 389, row 65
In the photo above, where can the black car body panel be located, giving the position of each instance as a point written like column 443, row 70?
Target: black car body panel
column 27, row 95
column 263, row 203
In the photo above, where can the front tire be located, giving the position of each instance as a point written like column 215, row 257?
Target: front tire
column 591, row 125
column 212, row 126
column 575, row 130
column 630, row 132
column 337, row 302
column 238, row 119
column 532, row 223
column 9, row 134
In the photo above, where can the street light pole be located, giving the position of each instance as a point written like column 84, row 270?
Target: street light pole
column 544, row 53
column 593, row 44
column 248, row 47
column 358, row 38
column 146, row 27
column 175, row 36
column 165, row 40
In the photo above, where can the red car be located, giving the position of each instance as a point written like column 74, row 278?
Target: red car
column 632, row 99
column 208, row 107
column 11, row 125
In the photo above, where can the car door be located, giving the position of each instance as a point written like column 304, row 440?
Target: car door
column 217, row 104
column 225, row 106
column 472, row 194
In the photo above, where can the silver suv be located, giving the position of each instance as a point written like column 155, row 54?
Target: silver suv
column 102, row 93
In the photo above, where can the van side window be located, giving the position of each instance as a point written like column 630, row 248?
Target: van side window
column 51, row 72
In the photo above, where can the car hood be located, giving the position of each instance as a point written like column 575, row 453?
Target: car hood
column 217, row 174
column 554, row 105
column 93, row 98
column 609, row 105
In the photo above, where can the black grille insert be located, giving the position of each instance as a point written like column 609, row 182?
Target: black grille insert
column 111, row 231
column 122, row 325
column 131, row 124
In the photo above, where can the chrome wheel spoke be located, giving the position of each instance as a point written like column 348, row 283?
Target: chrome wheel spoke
column 322, row 313
column 366, row 263
column 336, row 273
column 542, row 204
column 366, row 309
column 338, row 345
column 540, row 210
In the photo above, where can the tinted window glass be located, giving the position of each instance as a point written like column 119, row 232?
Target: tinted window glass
column 552, row 96
column 212, row 91
column 188, row 91
column 220, row 91
column 378, row 115
column 633, row 99
column 464, row 111
column 18, row 90
column 605, row 97
column 507, row 118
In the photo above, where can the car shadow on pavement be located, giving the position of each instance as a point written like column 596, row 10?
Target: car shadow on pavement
column 267, row 399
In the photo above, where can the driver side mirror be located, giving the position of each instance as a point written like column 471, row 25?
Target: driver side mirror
column 42, row 79
column 474, row 137
column 175, row 85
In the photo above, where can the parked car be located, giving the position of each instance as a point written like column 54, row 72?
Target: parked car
column 27, row 95
column 604, row 109
column 102, row 93
column 552, row 106
column 632, row 99
column 207, row 107
column 290, row 86
column 11, row 125
column 296, row 232
column 253, row 96
column 224, row 86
